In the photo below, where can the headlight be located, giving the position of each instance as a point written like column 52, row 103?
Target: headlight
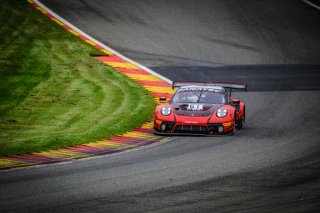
column 221, row 113
column 166, row 110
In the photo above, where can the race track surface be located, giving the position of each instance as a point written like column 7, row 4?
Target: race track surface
column 271, row 165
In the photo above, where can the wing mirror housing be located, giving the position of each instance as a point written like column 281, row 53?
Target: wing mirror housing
column 236, row 104
column 235, row 101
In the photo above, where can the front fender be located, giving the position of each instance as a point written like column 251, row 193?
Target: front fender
column 228, row 118
column 158, row 117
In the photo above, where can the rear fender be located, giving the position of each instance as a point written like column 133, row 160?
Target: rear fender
column 240, row 113
column 239, row 107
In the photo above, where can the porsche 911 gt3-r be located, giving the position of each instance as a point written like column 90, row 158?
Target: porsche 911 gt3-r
column 200, row 109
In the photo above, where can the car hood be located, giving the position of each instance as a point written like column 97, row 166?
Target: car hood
column 195, row 109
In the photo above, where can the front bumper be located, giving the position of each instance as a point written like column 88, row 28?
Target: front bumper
column 190, row 134
column 210, row 129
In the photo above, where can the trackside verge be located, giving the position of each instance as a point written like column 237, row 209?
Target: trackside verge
column 156, row 84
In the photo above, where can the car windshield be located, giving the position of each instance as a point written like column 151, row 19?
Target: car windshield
column 198, row 97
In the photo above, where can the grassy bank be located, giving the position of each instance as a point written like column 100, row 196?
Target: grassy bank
column 52, row 93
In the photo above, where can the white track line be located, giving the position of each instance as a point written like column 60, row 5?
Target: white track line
column 311, row 4
column 101, row 44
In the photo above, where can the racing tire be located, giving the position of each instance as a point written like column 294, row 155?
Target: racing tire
column 242, row 120
column 234, row 125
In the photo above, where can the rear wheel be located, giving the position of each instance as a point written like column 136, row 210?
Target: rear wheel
column 241, row 121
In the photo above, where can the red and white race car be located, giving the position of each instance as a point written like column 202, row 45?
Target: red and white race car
column 200, row 109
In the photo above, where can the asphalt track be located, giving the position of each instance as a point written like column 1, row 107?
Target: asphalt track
column 271, row 165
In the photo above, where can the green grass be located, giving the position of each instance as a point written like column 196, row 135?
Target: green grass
column 52, row 92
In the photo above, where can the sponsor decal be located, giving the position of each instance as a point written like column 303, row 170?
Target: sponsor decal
column 191, row 122
column 200, row 89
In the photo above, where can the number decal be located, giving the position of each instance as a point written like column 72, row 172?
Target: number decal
column 195, row 107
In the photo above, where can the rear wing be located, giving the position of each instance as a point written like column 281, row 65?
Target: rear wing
column 238, row 86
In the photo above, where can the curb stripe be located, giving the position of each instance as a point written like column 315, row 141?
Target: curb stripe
column 132, row 71
column 153, row 83
column 121, row 65
column 111, row 58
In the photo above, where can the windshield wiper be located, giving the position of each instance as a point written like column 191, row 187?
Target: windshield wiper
column 199, row 96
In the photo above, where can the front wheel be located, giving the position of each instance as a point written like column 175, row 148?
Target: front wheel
column 234, row 125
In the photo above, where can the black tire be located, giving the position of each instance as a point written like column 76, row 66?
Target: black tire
column 234, row 125
column 242, row 120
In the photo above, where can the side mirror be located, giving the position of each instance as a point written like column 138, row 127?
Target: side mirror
column 236, row 104
column 235, row 101
column 163, row 99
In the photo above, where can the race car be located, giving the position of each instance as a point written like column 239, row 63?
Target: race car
column 200, row 109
